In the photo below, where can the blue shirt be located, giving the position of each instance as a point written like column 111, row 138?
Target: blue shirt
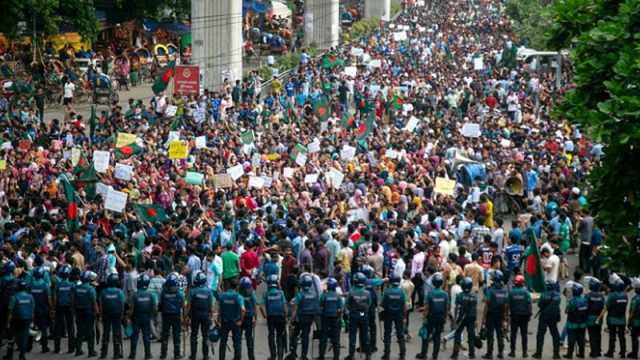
column 513, row 254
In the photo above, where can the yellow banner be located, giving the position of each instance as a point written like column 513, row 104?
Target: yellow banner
column 178, row 149
column 125, row 139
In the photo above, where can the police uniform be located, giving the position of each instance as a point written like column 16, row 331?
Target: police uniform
column 143, row 304
column 112, row 300
column 520, row 314
column 394, row 304
column 371, row 285
column 84, row 305
column 21, row 310
column 616, row 321
column 247, row 323
column 330, row 310
column 577, row 312
column 275, row 306
column 496, row 300
column 438, row 302
column 634, row 323
column 231, row 314
column 549, row 304
column 63, row 322
column 42, row 297
column 307, row 308
column 595, row 303
column 358, row 305
column 466, row 315
column 8, row 285
column 170, row 306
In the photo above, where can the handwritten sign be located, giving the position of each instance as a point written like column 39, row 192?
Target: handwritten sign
column 222, row 181
column 101, row 160
column 256, row 182
column 235, row 172
column 445, row 186
column 201, row 142
column 194, row 178
column 178, row 149
column 123, row 172
column 115, row 201
column 471, row 130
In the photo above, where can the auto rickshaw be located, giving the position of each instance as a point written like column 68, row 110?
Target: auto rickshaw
column 104, row 93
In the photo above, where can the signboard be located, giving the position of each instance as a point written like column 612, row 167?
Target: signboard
column 187, row 80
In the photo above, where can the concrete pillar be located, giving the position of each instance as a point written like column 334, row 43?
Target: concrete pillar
column 216, row 31
column 322, row 23
column 378, row 8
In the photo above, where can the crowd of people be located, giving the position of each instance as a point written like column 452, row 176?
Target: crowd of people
column 330, row 188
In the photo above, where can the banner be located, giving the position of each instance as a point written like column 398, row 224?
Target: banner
column 115, row 201
column 178, row 149
column 187, row 80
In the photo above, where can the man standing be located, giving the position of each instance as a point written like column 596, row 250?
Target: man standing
column 21, row 310
column 585, row 231
column 394, row 307
column 549, row 305
column 466, row 314
column 358, row 304
column 232, row 312
column 230, row 264
column 435, row 310
column 306, row 308
column 495, row 309
column 577, row 312
column 143, row 306
column 595, row 302
column 200, row 310
column 112, row 300
column 634, row 319
column 616, row 310
column 274, row 311
column 85, row 306
column 42, row 297
column 68, row 90
column 331, row 310
column 64, row 316
column 170, row 305
column 520, row 313
column 249, row 320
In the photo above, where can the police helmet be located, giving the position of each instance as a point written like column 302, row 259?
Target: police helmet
column 245, row 283
column 22, row 285
column 467, row 284
column 38, row 273
column 172, row 282
column 113, row 280
column 143, row 281
column 214, row 334
column 88, row 276
column 200, row 279
column 367, row 271
column 272, row 281
column 332, row 284
column 437, row 280
column 497, row 277
column 359, row 279
column 394, row 280
column 306, row 281
column 577, row 289
column 594, row 283
column 64, row 272
column 518, row 280
column 9, row 267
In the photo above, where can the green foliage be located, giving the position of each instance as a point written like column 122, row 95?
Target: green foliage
column 605, row 47
column 530, row 19
column 396, row 7
column 361, row 28
column 82, row 15
column 286, row 62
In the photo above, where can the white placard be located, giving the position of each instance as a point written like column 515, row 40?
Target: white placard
column 407, row 107
column 75, row 156
column 256, row 182
column 101, row 160
column 171, row 111
column 391, row 154
column 301, row 159
column 357, row 51
column 235, row 172
column 347, row 153
column 201, row 142
column 314, row 146
column 351, row 71
column 478, row 63
column 268, row 181
column 123, row 172
column 412, row 124
column 256, row 159
column 173, row 135
column 288, row 172
column 375, row 63
column 357, row 214
column 505, row 143
column 103, row 189
column 311, row 178
column 334, row 178
column 471, row 130
column 115, row 201
column 400, row 36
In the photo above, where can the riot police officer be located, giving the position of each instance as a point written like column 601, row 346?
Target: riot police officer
column 466, row 315
column 494, row 313
column 8, row 284
column 232, row 313
column 577, row 312
column 200, row 310
column 63, row 322
column 519, row 313
column 634, row 319
column 143, row 306
column 21, row 311
column 170, row 305
column 435, row 309
column 616, row 309
column 42, row 297
column 549, row 315
column 595, row 302
column 85, row 306
column 394, row 308
column 112, row 300
column 306, row 308
column 371, row 284
column 331, row 306
column 275, row 310
column 358, row 305
column 249, row 320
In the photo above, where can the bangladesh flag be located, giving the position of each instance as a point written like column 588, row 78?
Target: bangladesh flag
column 321, row 108
column 397, row 102
column 533, row 273
column 151, row 213
column 348, row 120
column 247, row 137
column 329, row 61
column 365, row 127
column 290, row 114
column 128, row 151
column 163, row 80
column 72, row 207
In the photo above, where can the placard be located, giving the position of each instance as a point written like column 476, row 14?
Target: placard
column 334, row 178
column 125, row 139
column 311, row 178
column 301, row 159
column 103, row 189
column 201, row 142
column 351, row 71
column 115, row 201
column 123, row 172
column 314, row 146
column 478, row 63
column 412, row 124
column 235, row 172
column 75, row 156
column 347, row 153
column 194, row 178
column 222, row 181
column 400, row 36
column 471, row 130
column 445, row 186
column 178, row 149
column 171, row 111
column 187, row 80
column 256, row 182
column 3, row 165
column 288, row 172
column 101, row 160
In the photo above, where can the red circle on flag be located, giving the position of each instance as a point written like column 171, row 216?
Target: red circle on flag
column 532, row 265
column 72, row 211
column 127, row 150
column 322, row 111
column 151, row 212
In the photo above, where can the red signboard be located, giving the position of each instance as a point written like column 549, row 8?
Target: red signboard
column 187, row 80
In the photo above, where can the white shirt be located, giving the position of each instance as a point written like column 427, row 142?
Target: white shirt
column 398, row 270
column 552, row 268
column 69, row 88
column 417, row 263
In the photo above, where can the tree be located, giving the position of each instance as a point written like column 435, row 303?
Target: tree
column 81, row 14
column 530, row 19
column 604, row 41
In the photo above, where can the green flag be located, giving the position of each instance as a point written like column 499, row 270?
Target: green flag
column 365, row 127
column 247, row 137
column 347, row 120
column 397, row 102
column 329, row 61
column 151, row 213
column 128, row 151
column 533, row 273
column 321, row 108
column 163, row 80
column 72, row 204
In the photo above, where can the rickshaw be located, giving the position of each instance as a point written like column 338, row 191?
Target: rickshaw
column 161, row 53
column 104, row 93
column 121, row 70
column 173, row 51
column 135, row 64
column 146, row 64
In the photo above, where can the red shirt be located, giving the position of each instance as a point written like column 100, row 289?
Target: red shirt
column 491, row 101
column 248, row 262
